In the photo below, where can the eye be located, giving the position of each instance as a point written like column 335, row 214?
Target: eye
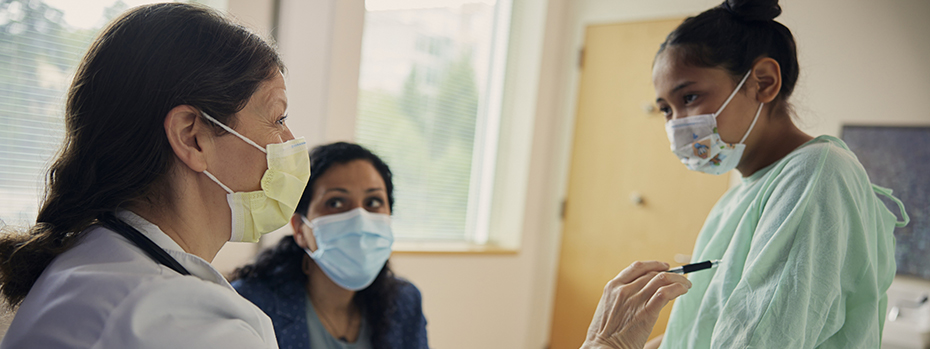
column 281, row 120
column 335, row 203
column 666, row 110
column 690, row 98
column 375, row 203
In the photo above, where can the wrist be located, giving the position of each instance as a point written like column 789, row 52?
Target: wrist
column 612, row 342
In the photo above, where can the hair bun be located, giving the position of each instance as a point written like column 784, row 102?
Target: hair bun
column 753, row 10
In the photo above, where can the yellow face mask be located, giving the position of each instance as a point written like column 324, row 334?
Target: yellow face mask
column 256, row 213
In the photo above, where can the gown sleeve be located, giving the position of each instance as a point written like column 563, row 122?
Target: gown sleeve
column 818, row 264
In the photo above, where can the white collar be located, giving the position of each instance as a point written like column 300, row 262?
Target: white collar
column 195, row 265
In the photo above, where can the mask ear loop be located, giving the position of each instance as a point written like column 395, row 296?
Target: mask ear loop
column 306, row 222
column 309, row 225
column 753, row 124
column 210, row 175
column 733, row 94
column 230, row 130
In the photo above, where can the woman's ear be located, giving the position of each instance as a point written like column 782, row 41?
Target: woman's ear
column 302, row 233
column 767, row 74
column 187, row 135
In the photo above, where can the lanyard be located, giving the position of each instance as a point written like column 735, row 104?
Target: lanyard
column 148, row 246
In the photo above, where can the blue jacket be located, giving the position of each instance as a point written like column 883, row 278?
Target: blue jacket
column 285, row 303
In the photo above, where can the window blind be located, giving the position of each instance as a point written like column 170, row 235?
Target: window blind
column 423, row 78
column 41, row 43
column 38, row 52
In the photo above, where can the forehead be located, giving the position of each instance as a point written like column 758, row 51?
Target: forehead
column 353, row 174
column 671, row 70
column 271, row 93
column 275, row 89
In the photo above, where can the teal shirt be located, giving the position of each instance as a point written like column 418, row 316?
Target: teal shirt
column 320, row 338
column 808, row 253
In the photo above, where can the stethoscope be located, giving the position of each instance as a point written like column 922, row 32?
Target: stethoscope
column 110, row 221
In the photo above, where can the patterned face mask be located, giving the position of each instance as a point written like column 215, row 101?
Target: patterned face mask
column 696, row 141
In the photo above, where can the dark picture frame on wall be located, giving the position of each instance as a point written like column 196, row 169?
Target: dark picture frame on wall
column 898, row 158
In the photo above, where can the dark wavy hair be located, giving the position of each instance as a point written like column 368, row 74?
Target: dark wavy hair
column 116, row 154
column 282, row 262
column 733, row 35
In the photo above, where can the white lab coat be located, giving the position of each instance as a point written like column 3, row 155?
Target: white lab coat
column 107, row 293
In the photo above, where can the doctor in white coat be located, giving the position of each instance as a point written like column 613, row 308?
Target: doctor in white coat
column 176, row 143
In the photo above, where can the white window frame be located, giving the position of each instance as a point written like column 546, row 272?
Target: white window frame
column 487, row 135
column 320, row 41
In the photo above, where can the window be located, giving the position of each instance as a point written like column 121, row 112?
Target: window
column 41, row 43
column 429, row 102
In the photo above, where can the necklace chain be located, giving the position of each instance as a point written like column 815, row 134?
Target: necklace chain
column 344, row 334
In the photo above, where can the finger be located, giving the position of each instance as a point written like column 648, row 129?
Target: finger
column 628, row 289
column 664, row 295
column 639, row 268
column 621, row 299
column 663, row 279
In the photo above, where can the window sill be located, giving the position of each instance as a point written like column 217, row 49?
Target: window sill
column 455, row 247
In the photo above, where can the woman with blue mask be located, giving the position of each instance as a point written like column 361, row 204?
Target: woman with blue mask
column 329, row 285
column 807, row 247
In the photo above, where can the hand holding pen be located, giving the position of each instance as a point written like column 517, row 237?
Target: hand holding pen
column 630, row 305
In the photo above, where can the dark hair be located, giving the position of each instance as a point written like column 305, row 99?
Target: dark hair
column 282, row 262
column 733, row 35
column 115, row 152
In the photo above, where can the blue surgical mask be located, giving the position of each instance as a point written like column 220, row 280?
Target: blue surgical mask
column 351, row 247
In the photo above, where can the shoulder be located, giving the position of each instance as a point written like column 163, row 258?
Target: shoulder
column 825, row 159
column 254, row 289
column 186, row 311
column 407, row 294
column 83, row 280
column 411, row 323
column 822, row 177
column 824, row 152
column 100, row 271
column 408, row 302
column 107, row 292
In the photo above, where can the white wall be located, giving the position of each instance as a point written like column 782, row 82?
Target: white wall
column 861, row 62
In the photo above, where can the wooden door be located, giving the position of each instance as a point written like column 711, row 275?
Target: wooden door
column 621, row 152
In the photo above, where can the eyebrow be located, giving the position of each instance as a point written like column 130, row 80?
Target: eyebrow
column 346, row 191
column 677, row 88
column 274, row 101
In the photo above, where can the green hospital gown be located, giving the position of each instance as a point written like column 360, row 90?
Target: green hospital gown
column 808, row 253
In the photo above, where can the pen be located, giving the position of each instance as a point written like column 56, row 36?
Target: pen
column 684, row 269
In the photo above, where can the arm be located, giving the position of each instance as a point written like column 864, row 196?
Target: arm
column 420, row 322
column 809, row 254
column 630, row 306
column 410, row 317
column 185, row 312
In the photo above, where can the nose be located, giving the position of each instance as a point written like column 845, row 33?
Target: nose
column 287, row 135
